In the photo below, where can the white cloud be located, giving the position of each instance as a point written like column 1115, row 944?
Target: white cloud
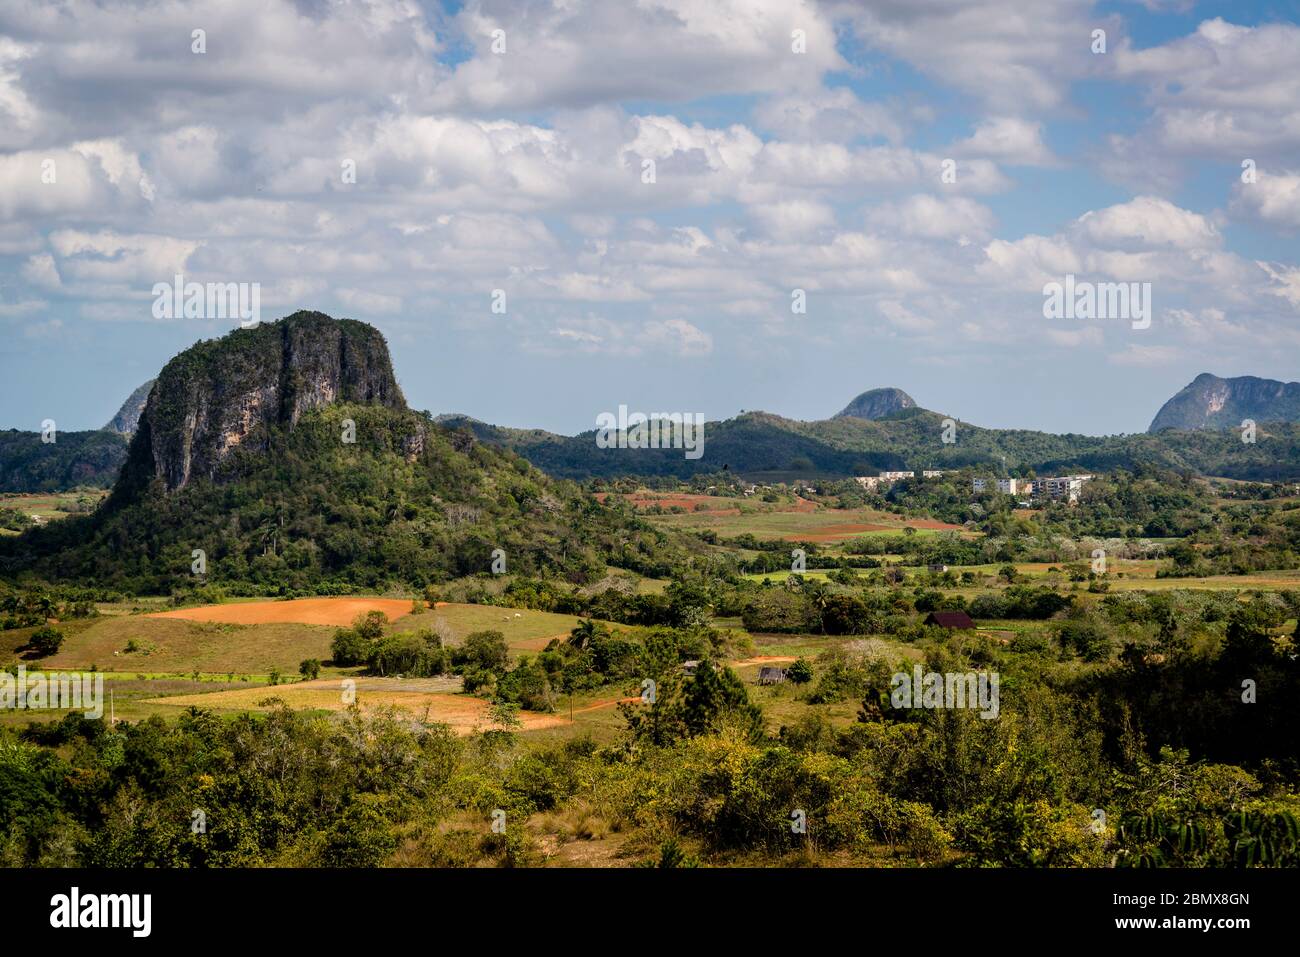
column 1146, row 356
column 933, row 217
column 678, row 337
column 1015, row 141
column 1148, row 221
column 581, row 53
column 1224, row 90
column 1285, row 281
column 108, row 256
column 370, row 302
column 1075, row 338
column 26, row 308
column 40, row 271
column 834, row 115
column 1017, row 55
column 795, row 219
column 1274, row 198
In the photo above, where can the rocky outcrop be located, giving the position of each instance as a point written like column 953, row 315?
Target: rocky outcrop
column 225, row 394
column 876, row 404
column 128, row 416
column 1210, row 402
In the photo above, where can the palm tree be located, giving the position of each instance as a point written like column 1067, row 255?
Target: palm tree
column 46, row 605
column 585, row 633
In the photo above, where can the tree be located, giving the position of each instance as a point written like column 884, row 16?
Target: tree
column 309, row 669
column 45, row 641
column 505, row 715
column 586, row 632
column 483, row 651
column 370, row 625
column 800, row 671
column 418, row 655
column 349, row 648
column 714, row 694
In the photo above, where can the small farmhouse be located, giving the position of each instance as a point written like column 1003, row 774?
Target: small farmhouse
column 949, row 619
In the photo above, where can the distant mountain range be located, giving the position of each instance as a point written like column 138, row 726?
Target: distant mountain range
column 880, row 429
column 1209, row 402
column 762, row 445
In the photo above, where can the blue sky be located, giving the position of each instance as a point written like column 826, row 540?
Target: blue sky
column 520, row 169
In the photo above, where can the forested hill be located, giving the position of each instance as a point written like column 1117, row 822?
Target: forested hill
column 1210, row 402
column 28, row 464
column 290, row 460
column 757, row 442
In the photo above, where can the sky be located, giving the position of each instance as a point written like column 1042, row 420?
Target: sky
column 551, row 209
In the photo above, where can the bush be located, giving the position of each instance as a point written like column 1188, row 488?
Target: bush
column 309, row 669
column 349, row 648
column 800, row 672
column 528, row 686
column 778, row 610
column 482, row 651
column 1085, row 638
column 414, row 655
column 45, row 641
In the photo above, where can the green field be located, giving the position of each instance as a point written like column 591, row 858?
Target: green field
column 823, row 525
column 50, row 506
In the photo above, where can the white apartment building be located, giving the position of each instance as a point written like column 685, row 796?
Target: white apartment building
column 1055, row 486
column 1007, row 486
column 872, row 482
column 1059, row 486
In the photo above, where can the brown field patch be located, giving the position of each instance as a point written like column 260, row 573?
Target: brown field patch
column 464, row 713
column 300, row 611
column 764, row 660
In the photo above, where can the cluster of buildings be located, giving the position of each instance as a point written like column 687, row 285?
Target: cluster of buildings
column 872, row 482
column 1053, row 486
column 1056, row 486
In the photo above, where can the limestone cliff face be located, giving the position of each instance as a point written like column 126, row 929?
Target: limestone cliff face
column 877, row 403
column 224, row 394
column 1210, row 402
column 128, row 416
